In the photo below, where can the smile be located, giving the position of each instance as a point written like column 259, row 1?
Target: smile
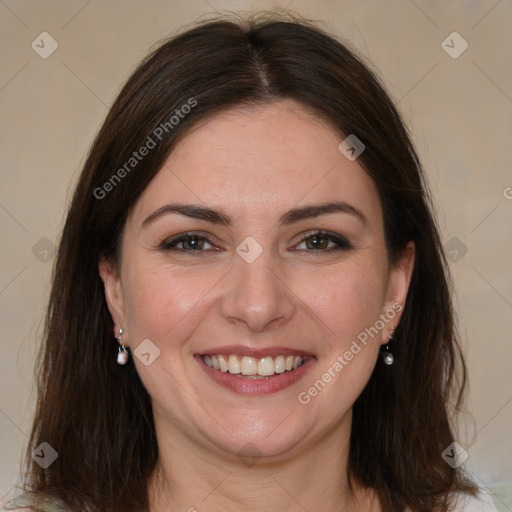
column 253, row 367
column 254, row 372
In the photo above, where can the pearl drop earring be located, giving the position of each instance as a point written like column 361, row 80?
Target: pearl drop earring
column 122, row 354
column 387, row 356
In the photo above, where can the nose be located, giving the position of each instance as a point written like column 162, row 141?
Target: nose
column 256, row 294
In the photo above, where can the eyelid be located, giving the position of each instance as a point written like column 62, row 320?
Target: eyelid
column 176, row 239
column 341, row 242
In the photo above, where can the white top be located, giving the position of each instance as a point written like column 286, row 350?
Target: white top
column 465, row 503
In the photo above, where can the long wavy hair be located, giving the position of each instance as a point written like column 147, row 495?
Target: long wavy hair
column 97, row 415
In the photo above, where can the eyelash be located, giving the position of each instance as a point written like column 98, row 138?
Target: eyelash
column 342, row 243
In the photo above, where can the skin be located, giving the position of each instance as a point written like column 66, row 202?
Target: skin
column 254, row 164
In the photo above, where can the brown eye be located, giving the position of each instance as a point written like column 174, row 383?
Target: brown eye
column 319, row 241
column 189, row 243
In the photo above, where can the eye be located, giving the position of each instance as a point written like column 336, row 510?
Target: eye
column 190, row 242
column 319, row 241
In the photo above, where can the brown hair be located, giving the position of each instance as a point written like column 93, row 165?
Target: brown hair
column 97, row 415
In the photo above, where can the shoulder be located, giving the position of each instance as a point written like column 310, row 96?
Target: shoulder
column 8, row 502
column 481, row 503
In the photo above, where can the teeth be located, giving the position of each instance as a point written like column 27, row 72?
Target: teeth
column 279, row 364
column 251, row 366
column 234, row 365
column 266, row 366
column 223, row 363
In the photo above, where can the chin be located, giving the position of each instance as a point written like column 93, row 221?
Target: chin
column 271, row 435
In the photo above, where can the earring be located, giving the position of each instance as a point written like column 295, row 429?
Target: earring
column 122, row 354
column 387, row 356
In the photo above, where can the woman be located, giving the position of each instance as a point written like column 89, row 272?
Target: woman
column 253, row 232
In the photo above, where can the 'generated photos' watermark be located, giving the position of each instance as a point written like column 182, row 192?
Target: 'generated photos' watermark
column 304, row 397
column 151, row 142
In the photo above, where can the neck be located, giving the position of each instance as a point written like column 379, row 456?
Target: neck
column 189, row 477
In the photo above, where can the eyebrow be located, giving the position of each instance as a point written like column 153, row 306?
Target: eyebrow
column 217, row 217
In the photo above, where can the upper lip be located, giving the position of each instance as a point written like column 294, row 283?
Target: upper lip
column 240, row 350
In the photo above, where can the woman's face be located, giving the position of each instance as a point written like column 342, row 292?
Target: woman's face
column 261, row 290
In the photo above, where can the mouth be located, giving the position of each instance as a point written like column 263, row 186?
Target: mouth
column 255, row 372
column 252, row 367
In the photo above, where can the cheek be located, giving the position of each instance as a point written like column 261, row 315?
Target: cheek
column 160, row 299
column 164, row 302
column 347, row 298
column 348, row 301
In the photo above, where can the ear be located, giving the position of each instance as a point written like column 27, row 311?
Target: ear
column 398, row 285
column 113, row 292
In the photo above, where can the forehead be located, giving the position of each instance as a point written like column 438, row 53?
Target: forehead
column 252, row 161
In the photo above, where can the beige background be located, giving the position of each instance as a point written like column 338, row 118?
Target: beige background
column 459, row 111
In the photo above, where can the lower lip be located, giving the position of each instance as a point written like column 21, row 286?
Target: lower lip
column 263, row 386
